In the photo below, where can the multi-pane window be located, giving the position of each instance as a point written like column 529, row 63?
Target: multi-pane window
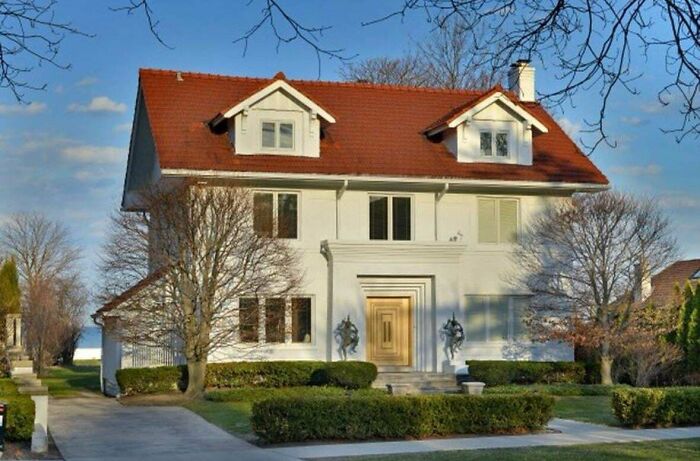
column 301, row 320
column 498, row 220
column 284, row 320
column 277, row 135
column 389, row 217
column 275, row 214
column 491, row 142
column 496, row 318
column 248, row 315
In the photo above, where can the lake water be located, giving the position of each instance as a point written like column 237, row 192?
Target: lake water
column 91, row 338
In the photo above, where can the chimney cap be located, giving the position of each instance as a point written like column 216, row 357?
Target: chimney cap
column 520, row 63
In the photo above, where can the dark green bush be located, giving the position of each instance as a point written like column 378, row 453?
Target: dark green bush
column 557, row 389
column 19, row 422
column 657, row 407
column 294, row 419
column 151, row 380
column 501, row 372
column 350, row 375
column 262, row 374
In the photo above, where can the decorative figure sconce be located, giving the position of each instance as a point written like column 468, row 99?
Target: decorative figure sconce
column 453, row 333
column 348, row 337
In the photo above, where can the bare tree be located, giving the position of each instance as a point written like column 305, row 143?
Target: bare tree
column 591, row 44
column 208, row 255
column 30, row 35
column 41, row 247
column 406, row 71
column 54, row 296
column 583, row 260
column 447, row 59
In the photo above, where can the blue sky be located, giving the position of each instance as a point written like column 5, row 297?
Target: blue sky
column 65, row 153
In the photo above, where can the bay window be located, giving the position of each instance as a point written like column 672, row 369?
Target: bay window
column 496, row 318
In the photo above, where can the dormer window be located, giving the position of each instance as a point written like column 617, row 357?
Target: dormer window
column 491, row 142
column 277, row 135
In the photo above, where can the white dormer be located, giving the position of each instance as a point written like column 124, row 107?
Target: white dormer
column 277, row 120
column 492, row 129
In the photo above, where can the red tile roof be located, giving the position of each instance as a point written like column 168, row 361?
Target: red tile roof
column 663, row 284
column 378, row 131
column 129, row 292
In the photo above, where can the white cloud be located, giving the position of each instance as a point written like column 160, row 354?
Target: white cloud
column 633, row 120
column 651, row 169
column 86, row 81
column 679, row 200
column 32, row 108
column 93, row 154
column 123, row 127
column 572, row 128
column 98, row 104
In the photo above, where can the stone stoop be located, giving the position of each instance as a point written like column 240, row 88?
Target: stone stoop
column 418, row 382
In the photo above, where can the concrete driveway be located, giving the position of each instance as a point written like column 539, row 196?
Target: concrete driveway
column 98, row 428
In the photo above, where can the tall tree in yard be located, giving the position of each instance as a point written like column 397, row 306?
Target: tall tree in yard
column 583, row 260
column 53, row 293
column 692, row 339
column 10, row 294
column 205, row 254
column 685, row 312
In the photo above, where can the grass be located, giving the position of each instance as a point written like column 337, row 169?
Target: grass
column 73, row 380
column 233, row 417
column 580, row 402
column 659, row 450
column 596, row 410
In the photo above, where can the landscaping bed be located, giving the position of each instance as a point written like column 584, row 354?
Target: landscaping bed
column 19, row 419
column 296, row 419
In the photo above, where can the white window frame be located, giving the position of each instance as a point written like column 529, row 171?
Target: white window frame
column 390, row 217
column 277, row 147
column 510, row 319
column 494, row 145
column 275, row 210
column 499, row 240
column 288, row 343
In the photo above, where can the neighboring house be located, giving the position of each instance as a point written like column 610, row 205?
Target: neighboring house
column 663, row 284
column 406, row 204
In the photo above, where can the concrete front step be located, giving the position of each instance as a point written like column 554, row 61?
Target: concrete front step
column 418, row 382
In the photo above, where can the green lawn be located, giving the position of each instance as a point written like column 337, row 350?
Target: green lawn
column 663, row 451
column 71, row 381
column 233, row 417
column 597, row 410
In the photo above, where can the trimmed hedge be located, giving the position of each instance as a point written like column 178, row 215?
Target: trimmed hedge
column 568, row 390
column 295, row 419
column 657, row 407
column 501, row 372
column 151, row 380
column 349, row 375
column 256, row 394
column 19, row 422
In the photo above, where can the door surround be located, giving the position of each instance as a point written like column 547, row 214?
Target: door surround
column 419, row 289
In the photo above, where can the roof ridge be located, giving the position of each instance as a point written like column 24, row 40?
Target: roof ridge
column 385, row 86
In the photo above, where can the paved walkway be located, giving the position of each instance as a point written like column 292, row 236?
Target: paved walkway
column 98, row 428
column 570, row 433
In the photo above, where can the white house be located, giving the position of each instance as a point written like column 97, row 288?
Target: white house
column 404, row 203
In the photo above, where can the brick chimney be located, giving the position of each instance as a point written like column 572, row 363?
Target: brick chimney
column 521, row 80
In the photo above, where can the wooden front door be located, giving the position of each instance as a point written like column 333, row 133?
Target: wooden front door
column 389, row 332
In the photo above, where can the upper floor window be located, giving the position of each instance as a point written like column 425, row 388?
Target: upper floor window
column 496, row 318
column 498, row 220
column 275, row 214
column 494, row 142
column 277, row 135
column 389, row 217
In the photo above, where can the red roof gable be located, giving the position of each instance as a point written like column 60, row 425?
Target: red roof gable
column 378, row 131
column 664, row 283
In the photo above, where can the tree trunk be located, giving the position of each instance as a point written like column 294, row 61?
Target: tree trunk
column 196, row 371
column 606, row 362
